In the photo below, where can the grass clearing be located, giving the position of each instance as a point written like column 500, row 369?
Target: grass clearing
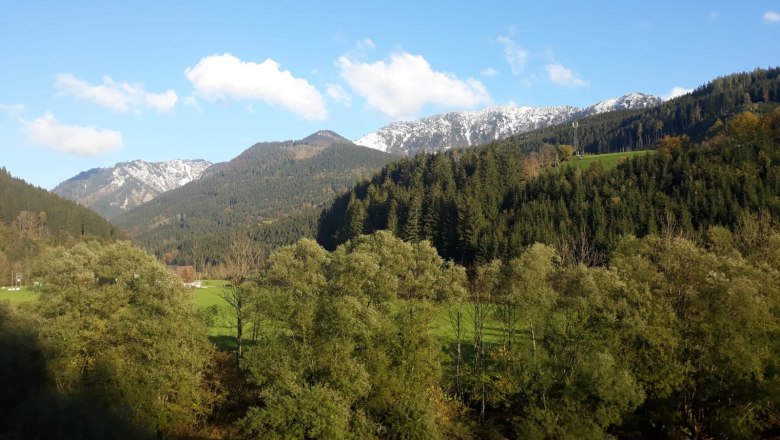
column 205, row 298
column 18, row 297
column 210, row 296
column 608, row 160
column 443, row 328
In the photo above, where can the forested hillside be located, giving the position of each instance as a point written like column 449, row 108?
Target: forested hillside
column 691, row 114
column 272, row 182
column 28, row 207
column 480, row 204
column 31, row 219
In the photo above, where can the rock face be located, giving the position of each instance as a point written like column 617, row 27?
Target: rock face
column 112, row 191
column 464, row 129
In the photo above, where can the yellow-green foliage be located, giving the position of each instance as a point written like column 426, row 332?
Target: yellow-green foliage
column 115, row 323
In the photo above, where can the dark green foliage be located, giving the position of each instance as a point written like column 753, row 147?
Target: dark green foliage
column 476, row 205
column 672, row 339
column 708, row 361
column 271, row 191
column 31, row 406
column 117, row 329
column 62, row 218
column 31, row 219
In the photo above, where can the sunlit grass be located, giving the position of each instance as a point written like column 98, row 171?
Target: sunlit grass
column 18, row 297
column 608, row 161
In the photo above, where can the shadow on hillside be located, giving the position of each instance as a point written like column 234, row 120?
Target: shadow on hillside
column 224, row 342
column 30, row 405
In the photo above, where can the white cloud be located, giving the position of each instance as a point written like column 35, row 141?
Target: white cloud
column 402, row 85
column 71, row 139
column 162, row 101
column 515, row 55
column 116, row 96
column 366, row 43
column 677, row 91
column 12, row 110
column 489, row 72
column 771, row 17
column 563, row 76
column 221, row 77
column 338, row 94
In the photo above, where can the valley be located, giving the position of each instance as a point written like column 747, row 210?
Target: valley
column 471, row 269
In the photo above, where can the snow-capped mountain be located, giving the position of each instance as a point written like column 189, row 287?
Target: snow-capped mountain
column 631, row 101
column 464, row 129
column 112, row 191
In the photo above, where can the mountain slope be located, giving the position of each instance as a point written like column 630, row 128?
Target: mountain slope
column 479, row 204
column 692, row 114
column 112, row 191
column 487, row 202
column 464, row 129
column 27, row 207
column 267, row 183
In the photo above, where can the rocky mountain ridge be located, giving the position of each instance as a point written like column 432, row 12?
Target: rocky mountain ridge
column 113, row 190
column 464, row 129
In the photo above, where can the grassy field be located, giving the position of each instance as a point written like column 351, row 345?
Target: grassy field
column 210, row 294
column 204, row 297
column 19, row 297
column 610, row 160
column 210, row 297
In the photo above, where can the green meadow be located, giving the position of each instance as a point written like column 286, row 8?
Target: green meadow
column 17, row 297
column 608, row 161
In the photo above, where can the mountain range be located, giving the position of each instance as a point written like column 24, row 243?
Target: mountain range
column 267, row 183
column 274, row 191
column 114, row 190
column 464, row 129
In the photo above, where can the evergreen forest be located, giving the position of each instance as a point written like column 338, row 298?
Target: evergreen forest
column 692, row 114
column 477, row 205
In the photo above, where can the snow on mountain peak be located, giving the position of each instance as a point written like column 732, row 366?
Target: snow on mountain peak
column 464, row 129
column 111, row 191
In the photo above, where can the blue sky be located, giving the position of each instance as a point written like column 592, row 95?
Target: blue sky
column 88, row 84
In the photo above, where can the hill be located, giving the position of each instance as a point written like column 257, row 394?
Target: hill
column 692, row 114
column 25, row 206
column 114, row 190
column 268, row 184
column 32, row 219
column 475, row 205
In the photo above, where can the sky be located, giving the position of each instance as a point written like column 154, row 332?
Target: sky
column 90, row 84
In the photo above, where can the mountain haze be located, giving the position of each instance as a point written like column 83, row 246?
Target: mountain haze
column 465, row 129
column 114, row 190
